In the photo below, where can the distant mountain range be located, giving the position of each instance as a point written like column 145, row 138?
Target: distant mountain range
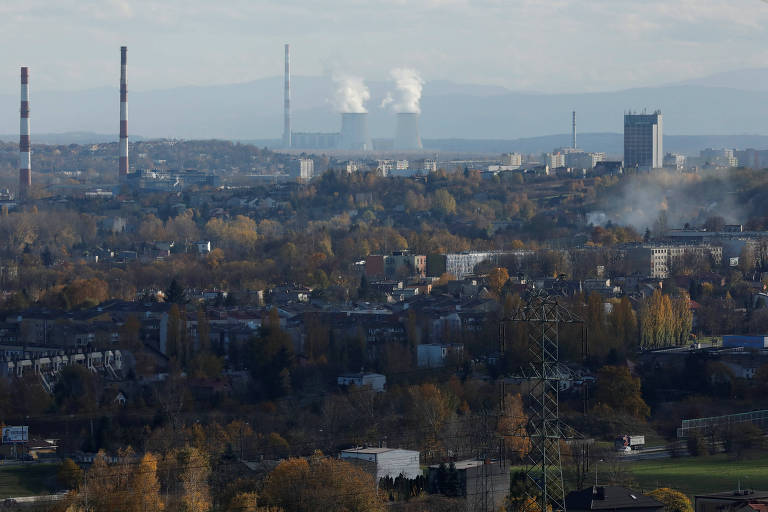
column 727, row 103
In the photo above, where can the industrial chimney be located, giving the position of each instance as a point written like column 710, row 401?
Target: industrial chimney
column 407, row 132
column 123, row 114
column 573, row 136
column 25, row 160
column 287, row 99
column 354, row 132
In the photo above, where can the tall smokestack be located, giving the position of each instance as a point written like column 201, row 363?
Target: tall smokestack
column 25, row 160
column 123, row 113
column 573, row 136
column 287, row 99
column 407, row 132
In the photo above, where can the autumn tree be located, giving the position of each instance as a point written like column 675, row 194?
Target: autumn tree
column 321, row 483
column 194, row 480
column 665, row 321
column 512, row 427
column 430, row 408
column 623, row 323
column 443, row 202
column 617, row 390
column 144, row 486
column 497, row 278
column 673, row 500
column 70, row 476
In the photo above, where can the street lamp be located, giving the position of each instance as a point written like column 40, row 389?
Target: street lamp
column 596, row 463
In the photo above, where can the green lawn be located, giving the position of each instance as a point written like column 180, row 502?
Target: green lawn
column 27, row 480
column 698, row 475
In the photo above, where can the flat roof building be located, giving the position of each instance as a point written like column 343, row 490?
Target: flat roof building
column 643, row 141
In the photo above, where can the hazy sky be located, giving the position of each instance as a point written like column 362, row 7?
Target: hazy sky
column 545, row 45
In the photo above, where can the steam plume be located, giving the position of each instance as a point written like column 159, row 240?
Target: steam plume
column 350, row 95
column 407, row 94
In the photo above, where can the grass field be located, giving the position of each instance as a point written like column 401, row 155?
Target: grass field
column 698, row 475
column 27, row 480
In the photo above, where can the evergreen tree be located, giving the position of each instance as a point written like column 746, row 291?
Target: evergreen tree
column 175, row 293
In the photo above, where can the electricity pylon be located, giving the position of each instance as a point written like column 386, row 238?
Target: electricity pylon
column 542, row 317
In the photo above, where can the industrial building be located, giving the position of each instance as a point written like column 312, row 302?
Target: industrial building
column 643, row 141
column 315, row 140
column 170, row 180
column 385, row 462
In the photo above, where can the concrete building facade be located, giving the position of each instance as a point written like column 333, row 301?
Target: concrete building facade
column 386, row 462
column 643, row 141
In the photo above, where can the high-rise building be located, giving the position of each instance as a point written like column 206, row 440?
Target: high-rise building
column 302, row 169
column 643, row 141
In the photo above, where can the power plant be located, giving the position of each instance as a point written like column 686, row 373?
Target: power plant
column 287, row 99
column 25, row 160
column 123, row 114
column 354, row 132
column 407, row 132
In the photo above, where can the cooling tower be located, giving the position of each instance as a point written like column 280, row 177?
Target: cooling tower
column 407, row 132
column 354, row 132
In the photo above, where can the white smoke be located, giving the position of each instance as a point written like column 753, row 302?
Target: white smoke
column 350, row 94
column 407, row 94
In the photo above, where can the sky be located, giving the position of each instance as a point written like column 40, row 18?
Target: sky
column 531, row 45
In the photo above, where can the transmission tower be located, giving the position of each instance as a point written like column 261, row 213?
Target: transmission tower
column 542, row 317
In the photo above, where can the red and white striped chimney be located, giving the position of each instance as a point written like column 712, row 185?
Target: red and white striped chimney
column 123, row 114
column 25, row 160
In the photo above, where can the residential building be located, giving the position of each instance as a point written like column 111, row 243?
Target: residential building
column 611, row 498
column 732, row 501
column 752, row 158
column 385, row 462
column 554, row 160
column 203, row 246
column 674, row 161
column 401, row 263
column 435, row 355
column 302, row 169
column 643, row 141
column 717, row 158
column 657, row 260
column 512, row 159
column 462, row 264
column 583, row 160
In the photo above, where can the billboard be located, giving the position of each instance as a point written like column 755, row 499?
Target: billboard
column 15, row 435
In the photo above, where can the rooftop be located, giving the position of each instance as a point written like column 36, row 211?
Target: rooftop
column 736, row 495
column 610, row 498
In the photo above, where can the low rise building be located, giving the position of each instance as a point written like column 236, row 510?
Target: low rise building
column 376, row 381
column 435, row 355
column 732, row 501
column 611, row 499
column 385, row 462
